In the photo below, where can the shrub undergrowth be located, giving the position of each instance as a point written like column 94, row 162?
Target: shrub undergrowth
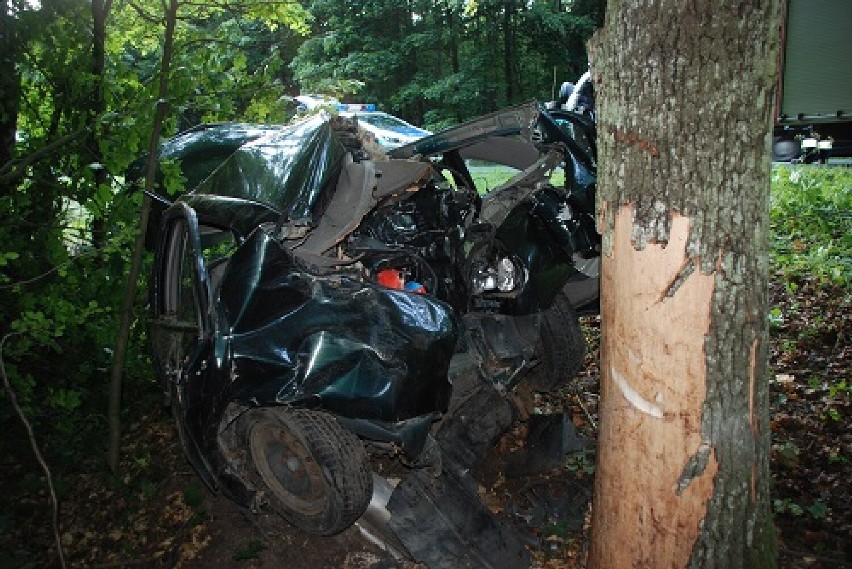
column 811, row 221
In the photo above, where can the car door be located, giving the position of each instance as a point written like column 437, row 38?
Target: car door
column 180, row 301
column 181, row 324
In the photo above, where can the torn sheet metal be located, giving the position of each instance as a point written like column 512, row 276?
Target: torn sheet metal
column 550, row 438
column 365, row 351
column 443, row 524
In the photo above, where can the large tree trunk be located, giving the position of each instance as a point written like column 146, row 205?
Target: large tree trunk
column 509, row 49
column 10, row 89
column 685, row 105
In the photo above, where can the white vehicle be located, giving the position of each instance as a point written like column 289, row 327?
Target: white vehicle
column 311, row 102
column 390, row 131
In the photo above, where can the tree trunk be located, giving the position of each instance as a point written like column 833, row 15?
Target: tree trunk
column 10, row 89
column 508, row 50
column 684, row 115
column 97, row 106
column 114, row 412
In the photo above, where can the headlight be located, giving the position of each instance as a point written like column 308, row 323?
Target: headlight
column 505, row 277
column 482, row 281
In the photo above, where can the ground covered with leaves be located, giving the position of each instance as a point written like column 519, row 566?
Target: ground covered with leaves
column 811, row 409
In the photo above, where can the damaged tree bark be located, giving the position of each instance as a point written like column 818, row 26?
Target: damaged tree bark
column 685, row 105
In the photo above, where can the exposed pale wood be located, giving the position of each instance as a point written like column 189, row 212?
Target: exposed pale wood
column 653, row 392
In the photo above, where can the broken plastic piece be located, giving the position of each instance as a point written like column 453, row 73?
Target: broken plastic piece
column 414, row 286
column 390, row 278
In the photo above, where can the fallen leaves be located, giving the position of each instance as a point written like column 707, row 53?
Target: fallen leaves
column 810, row 412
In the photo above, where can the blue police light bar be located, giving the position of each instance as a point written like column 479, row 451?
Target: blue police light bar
column 356, row 107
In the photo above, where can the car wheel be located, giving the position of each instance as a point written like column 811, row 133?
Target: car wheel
column 309, row 469
column 561, row 347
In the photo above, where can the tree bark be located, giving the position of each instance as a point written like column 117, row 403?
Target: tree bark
column 97, row 106
column 114, row 411
column 684, row 115
column 10, row 89
column 509, row 49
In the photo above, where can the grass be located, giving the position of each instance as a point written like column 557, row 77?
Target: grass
column 487, row 176
column 811, row 221
column 811, row 218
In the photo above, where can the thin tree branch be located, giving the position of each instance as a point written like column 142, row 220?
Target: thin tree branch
column 53, row 500
column 126, row 317
column 143, row 14
column 34, row 279
column 12, row 169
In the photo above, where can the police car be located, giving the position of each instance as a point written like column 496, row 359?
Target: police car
column 312, row 102
column 390, row 131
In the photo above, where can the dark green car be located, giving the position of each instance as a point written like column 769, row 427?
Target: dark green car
column 309, row 296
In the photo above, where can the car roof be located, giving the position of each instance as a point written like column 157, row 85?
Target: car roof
column 284, row 167
column 509, row 136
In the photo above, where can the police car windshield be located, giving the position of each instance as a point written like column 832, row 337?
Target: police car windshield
column 383, row 121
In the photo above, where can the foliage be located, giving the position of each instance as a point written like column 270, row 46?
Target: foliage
column 811, row 221
column 67, row 221
column 438, row 62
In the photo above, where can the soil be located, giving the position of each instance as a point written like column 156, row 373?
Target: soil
column 159, row 515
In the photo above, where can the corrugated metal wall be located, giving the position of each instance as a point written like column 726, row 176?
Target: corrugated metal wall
column 818, row 59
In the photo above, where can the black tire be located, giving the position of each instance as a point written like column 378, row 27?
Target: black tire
column 309, row 469
column 785, row 148
column 561, row 347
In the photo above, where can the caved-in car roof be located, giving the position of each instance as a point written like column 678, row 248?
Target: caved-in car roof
column 282, row 167
column 520, row 137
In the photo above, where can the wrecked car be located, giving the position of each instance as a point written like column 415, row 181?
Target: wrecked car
column 313, row 300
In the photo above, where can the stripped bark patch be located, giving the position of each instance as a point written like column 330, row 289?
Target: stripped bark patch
column 654, row 335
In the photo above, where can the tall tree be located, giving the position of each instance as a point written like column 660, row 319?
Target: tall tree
column 443, row 61
column 10, row 84
column 509, row 16
column 126, row 315
column 685, row 103
column 97, row 106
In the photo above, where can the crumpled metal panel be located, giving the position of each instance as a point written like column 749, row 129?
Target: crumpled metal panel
column 513, row 136
column 362, row 350
column 240, row 215
column 520, row 119
column 442, row 523
column 285, row 168
column 201, row 149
